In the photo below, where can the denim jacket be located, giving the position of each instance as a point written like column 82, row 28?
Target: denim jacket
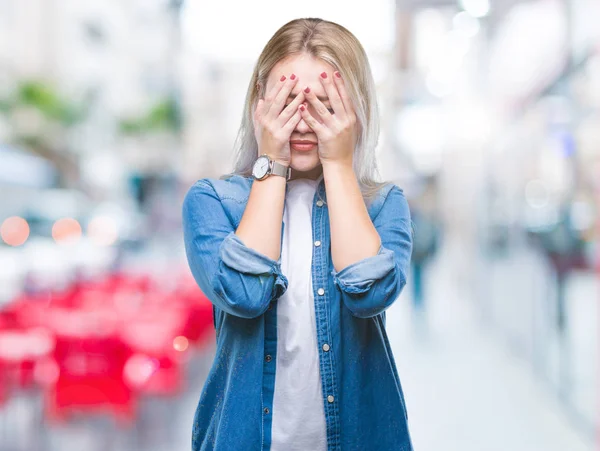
column 363, row 400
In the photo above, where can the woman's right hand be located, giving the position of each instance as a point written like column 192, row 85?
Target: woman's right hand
column 272, row 126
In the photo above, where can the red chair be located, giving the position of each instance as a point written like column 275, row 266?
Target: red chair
column 90, row 359
column 20, row 350
column 156, row 365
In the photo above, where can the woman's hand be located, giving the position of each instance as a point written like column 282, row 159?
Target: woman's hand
column 337, row 132
column 273, row 127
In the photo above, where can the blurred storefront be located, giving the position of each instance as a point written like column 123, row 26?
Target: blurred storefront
column 539, row 229
column 498, row 104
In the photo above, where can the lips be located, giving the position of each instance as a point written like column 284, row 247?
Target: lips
column 303, row 145
column 302, row 141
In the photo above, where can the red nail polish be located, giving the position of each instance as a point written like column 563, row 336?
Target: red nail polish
column 307, row 90
column 301, row 107
column 324, row 75
column 337, row 74
column 293, row 77
column 282, row 78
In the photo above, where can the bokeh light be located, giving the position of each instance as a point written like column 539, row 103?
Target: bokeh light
column 102, row 230
column 537, row 194
column 476, row 8
column 66, row 230
column 138, row 369
column 14, row 231
column 180, row 343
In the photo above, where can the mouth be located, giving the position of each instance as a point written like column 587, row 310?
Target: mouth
column 303, row 145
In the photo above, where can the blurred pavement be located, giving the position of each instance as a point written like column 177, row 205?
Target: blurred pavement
column 464, row 388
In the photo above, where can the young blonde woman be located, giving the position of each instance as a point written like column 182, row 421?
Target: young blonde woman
column 301, row 251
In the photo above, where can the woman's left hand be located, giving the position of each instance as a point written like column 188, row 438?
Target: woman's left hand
column 337, row 131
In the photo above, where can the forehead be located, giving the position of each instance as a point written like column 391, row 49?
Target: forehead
column 306, row 67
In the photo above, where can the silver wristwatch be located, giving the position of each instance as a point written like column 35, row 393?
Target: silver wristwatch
column 264, row 166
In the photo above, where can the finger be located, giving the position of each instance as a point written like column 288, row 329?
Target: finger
column 292, row 108
column 258, row 111
column 272, row 94
column 260, row 106
column 321, row 109
column 310, row 120
column 287, row 84
column 332, row 92
column 341, row 87
column 292, row 122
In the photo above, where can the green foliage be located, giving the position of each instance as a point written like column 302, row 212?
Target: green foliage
column 44, row 98
column 163, row 116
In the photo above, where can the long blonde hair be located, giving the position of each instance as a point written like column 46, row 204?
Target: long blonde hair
column 335, row 45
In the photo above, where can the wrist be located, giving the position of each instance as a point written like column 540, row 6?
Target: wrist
column 278, row 159
column 337, row 170
column 337, row 165
column 275, row 156
column 281, row 161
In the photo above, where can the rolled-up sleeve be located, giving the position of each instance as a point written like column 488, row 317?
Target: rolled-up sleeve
column 372, row 284
column 235, row 278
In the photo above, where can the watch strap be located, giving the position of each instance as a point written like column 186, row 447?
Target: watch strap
column 280, row 169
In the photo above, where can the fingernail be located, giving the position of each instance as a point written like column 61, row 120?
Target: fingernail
column 293, row 77
column 337, row 74
column 282, row 78
column 324, row 75
column 301, row 107
column 307, row 90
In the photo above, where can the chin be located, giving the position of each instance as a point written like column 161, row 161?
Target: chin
column 305, row 161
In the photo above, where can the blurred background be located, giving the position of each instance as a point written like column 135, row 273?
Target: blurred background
column 110, row 110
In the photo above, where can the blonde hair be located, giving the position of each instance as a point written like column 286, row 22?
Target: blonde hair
column 337, row 46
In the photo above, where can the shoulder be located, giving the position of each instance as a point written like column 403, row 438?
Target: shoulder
column 210, row 196
column 233, row 188
column 389, row 199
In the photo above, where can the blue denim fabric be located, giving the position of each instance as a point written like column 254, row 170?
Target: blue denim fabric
column 235, row 408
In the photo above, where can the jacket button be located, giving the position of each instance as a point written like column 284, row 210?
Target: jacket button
column 317, row 243
column 321, row 291
column 268, row 358
column 325, row 347
column 330, row 398
column 266, row 410
column 319, row 203
column 270, row 307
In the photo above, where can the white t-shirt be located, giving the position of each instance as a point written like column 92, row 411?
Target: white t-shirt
column 298, row 412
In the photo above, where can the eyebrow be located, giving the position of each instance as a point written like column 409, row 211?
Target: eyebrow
column 321, row 98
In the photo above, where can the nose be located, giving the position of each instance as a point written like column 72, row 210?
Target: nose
column 302, row 127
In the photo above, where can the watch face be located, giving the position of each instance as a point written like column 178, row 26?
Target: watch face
column 261, row 167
